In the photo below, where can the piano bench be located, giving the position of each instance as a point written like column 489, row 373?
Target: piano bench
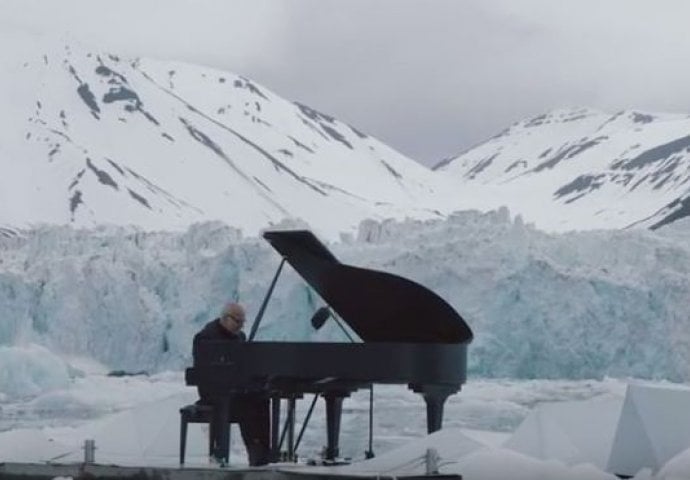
column 198, row 413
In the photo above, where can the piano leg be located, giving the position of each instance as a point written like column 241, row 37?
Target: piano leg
column 275, row 428
column 435, row 397
column 334, row 409
column 291, row 429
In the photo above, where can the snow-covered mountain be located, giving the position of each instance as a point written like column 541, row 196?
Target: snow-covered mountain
column 583, row 169
column 90, row 138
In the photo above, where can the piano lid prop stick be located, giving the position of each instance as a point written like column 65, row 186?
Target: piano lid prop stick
column 352, row 340
column 260, row 315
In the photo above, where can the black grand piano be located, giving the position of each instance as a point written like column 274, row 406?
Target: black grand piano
column 409, row 335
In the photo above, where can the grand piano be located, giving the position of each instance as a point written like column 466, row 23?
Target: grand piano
column 409, row 335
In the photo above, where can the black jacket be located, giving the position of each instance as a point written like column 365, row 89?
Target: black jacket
column 213, row 331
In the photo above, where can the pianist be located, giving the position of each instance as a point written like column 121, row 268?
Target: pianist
column 251, row 410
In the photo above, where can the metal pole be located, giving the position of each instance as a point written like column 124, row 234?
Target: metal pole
column 89, row 451
column 260, row 315
column 431, row 461
column 370, row 453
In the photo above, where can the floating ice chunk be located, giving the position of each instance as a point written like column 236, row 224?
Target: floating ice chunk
column 676, row 468
column 30, row 370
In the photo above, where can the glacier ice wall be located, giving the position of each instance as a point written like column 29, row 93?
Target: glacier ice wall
column 576, row 305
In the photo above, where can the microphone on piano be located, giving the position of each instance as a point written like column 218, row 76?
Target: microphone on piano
column 322, row 315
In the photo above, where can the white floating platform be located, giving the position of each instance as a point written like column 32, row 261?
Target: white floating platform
column 42, row 471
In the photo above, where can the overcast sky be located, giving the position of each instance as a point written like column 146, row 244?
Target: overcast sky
column 429, row 77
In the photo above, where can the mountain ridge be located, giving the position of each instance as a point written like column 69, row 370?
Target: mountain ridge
column 95, row 138
column 585, row 169
column 165, row 144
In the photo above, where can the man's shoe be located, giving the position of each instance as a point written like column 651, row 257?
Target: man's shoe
column 217, row 461
column 258, row 453
column 258, row 459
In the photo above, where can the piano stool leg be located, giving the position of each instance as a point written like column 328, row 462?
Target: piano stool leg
column 183, row 437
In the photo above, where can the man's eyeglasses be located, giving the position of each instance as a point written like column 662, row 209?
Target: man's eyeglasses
column 232, row 317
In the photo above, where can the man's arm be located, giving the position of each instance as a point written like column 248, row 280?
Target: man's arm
column 204, row 334
column 195, row 349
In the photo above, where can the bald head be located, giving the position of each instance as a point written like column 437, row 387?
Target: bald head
column 232, row 317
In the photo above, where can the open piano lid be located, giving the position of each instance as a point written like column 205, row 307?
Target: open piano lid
column 379, row 306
